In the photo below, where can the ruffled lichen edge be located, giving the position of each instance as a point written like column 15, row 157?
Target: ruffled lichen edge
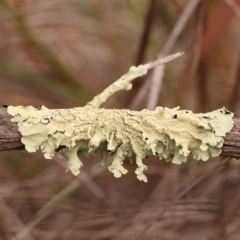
column 170, row 134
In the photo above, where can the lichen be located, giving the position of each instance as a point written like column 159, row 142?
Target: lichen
column 170, row 134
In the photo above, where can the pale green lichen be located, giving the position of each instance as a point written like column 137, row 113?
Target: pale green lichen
column 170, row 134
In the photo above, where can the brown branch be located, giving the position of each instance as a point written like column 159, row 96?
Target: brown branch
column 235, row 91
column 149, row 20
column 10, row 137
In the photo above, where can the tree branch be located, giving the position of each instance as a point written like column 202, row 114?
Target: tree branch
column 10, row 137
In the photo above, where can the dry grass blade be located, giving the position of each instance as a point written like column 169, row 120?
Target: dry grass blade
column 158, row 73
column 46, row 209
column 235, row 91
column 155, row 87
column 11, row 219
column 43, row 212
column 178, row 28
column 229, row 212
column 150, row 16
column 180, row 195
column 163, row 60
column 86, row 179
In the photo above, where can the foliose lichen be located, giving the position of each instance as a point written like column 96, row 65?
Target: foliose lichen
column 170, row 134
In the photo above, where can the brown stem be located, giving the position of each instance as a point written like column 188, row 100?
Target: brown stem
column 149, row 20
column 235, row 91
column 10, row 137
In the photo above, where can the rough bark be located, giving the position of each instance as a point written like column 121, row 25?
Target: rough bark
column 10, row 137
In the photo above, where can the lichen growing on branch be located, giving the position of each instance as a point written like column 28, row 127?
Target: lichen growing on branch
column 170, row 134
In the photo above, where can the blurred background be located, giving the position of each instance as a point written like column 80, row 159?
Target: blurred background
column 60, row 53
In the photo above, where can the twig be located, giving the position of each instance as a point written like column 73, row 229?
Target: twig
column 164, row 60
column 180, row 195
column 235, row 91
column 124, row 83
column 10, row 137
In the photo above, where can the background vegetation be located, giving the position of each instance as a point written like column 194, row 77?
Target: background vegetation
column 61, row 53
